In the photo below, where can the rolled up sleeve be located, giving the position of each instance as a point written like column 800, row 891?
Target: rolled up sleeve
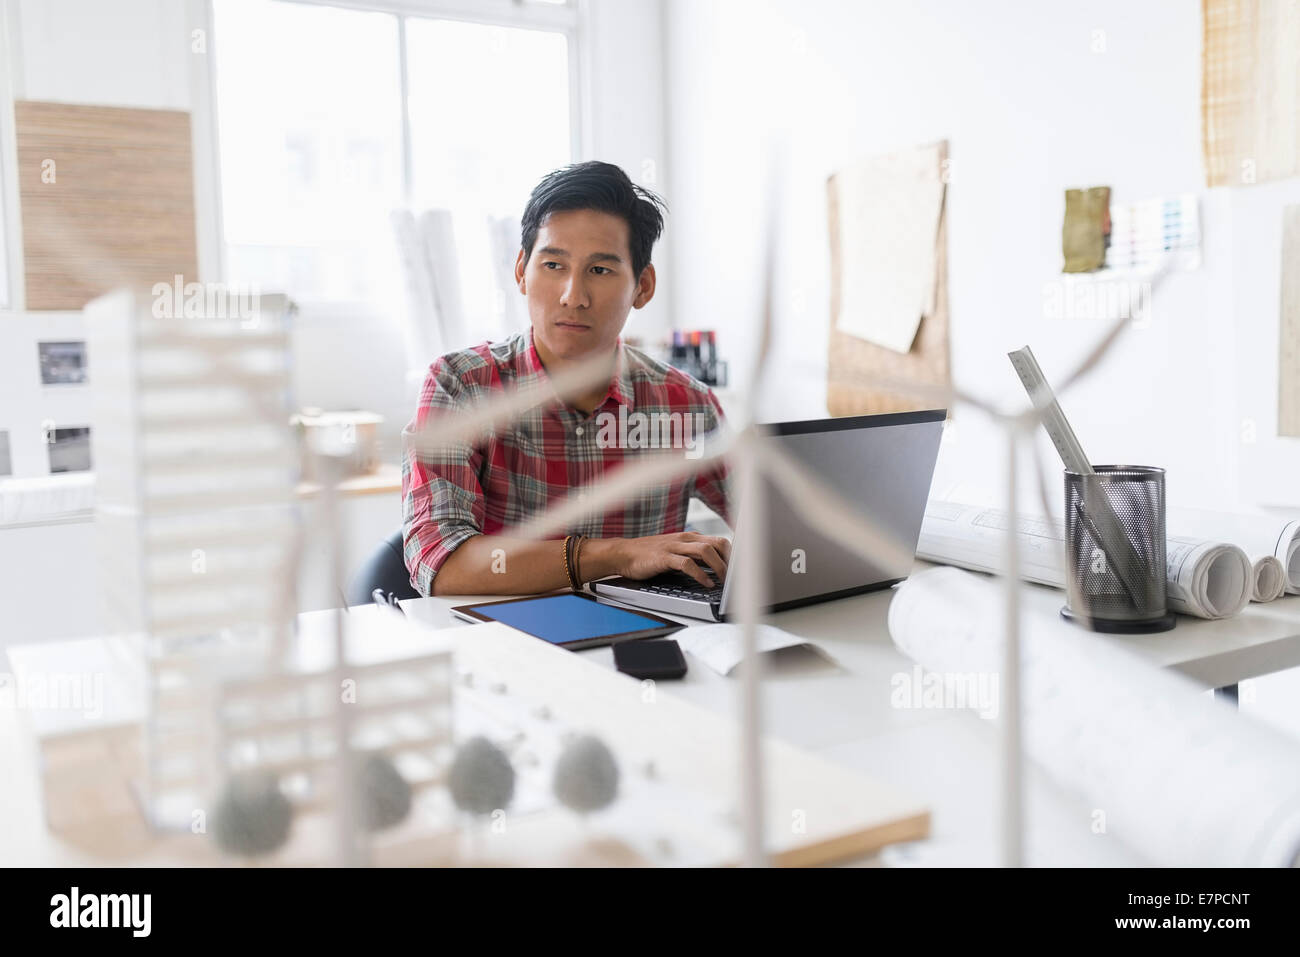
column 442, row 498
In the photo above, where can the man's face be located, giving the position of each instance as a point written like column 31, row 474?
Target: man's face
column 579, row 283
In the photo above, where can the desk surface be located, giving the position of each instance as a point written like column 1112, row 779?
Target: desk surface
column 1263, row 639
column 947, row 758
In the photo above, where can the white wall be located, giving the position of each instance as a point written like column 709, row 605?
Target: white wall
column 1028, row 110
column 1270, row 466
column 136, row 51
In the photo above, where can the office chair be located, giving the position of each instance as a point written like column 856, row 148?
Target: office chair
column 385, row 572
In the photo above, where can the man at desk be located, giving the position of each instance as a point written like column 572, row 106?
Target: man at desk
column 584, row 264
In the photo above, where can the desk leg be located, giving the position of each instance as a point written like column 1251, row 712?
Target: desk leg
column 1227, row 693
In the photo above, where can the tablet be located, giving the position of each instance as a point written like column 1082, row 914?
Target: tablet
column 571, row 619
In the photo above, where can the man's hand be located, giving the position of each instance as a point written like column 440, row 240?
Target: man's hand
column 641, row 558
column 538, row 566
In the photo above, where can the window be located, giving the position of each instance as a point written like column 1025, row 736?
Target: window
column 486, row 150
column 481, row 155
column 317, row 147
column 309, row 118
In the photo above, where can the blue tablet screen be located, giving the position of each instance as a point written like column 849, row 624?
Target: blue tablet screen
column 561, row 619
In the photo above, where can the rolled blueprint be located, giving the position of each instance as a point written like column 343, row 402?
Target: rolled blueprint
column 1270, row 579
column 1205, row 578
column 1256, row 535
column 1181, row 778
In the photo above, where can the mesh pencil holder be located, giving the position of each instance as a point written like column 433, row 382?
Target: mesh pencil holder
column 1115, row 549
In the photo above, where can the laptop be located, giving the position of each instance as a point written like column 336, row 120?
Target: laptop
column 883, row 464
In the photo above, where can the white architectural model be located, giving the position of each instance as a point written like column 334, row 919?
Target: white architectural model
column 197, row 529
column 194, row 515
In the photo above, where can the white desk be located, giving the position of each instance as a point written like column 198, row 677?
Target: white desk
column 949, row 759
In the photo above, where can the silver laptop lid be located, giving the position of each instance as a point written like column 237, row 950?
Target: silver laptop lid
column 881, row 464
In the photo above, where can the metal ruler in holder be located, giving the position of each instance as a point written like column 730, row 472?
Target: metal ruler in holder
column 1096, row 514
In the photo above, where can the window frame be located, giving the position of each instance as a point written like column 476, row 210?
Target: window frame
column 571, row 19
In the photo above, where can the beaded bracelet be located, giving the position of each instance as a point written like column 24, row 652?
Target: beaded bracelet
column 577, row 560
column 568, row 568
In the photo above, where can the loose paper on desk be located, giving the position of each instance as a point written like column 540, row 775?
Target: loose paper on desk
column 722, row 647
column 1182, row 779
column 888, row 231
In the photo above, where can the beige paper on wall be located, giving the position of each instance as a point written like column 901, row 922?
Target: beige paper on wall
column 860, row 368
column 888, row 220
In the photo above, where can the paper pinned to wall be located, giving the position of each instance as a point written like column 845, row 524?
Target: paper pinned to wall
column 1147, row 234
column 1288, row 369
column 888, row 230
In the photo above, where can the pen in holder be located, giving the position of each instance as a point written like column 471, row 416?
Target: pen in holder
column 1115, row 549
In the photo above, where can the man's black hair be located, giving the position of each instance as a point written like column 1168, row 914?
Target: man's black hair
column 603, row 187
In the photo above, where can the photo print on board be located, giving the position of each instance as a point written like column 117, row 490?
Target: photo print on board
column 63, row 363
column 70, row 449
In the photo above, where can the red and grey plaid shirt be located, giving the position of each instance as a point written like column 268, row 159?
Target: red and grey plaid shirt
column 514, row 474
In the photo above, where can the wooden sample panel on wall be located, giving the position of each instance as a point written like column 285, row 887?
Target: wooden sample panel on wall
column 107, row 197
column 854, row 361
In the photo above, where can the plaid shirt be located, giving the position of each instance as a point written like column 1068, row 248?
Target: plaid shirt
column 514, row 474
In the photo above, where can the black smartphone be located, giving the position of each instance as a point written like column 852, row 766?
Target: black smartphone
column 657, row 658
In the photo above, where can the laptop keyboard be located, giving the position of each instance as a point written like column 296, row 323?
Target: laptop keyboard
column 681, row 585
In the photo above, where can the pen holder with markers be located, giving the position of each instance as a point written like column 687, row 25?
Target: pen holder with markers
column 1115, row 549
